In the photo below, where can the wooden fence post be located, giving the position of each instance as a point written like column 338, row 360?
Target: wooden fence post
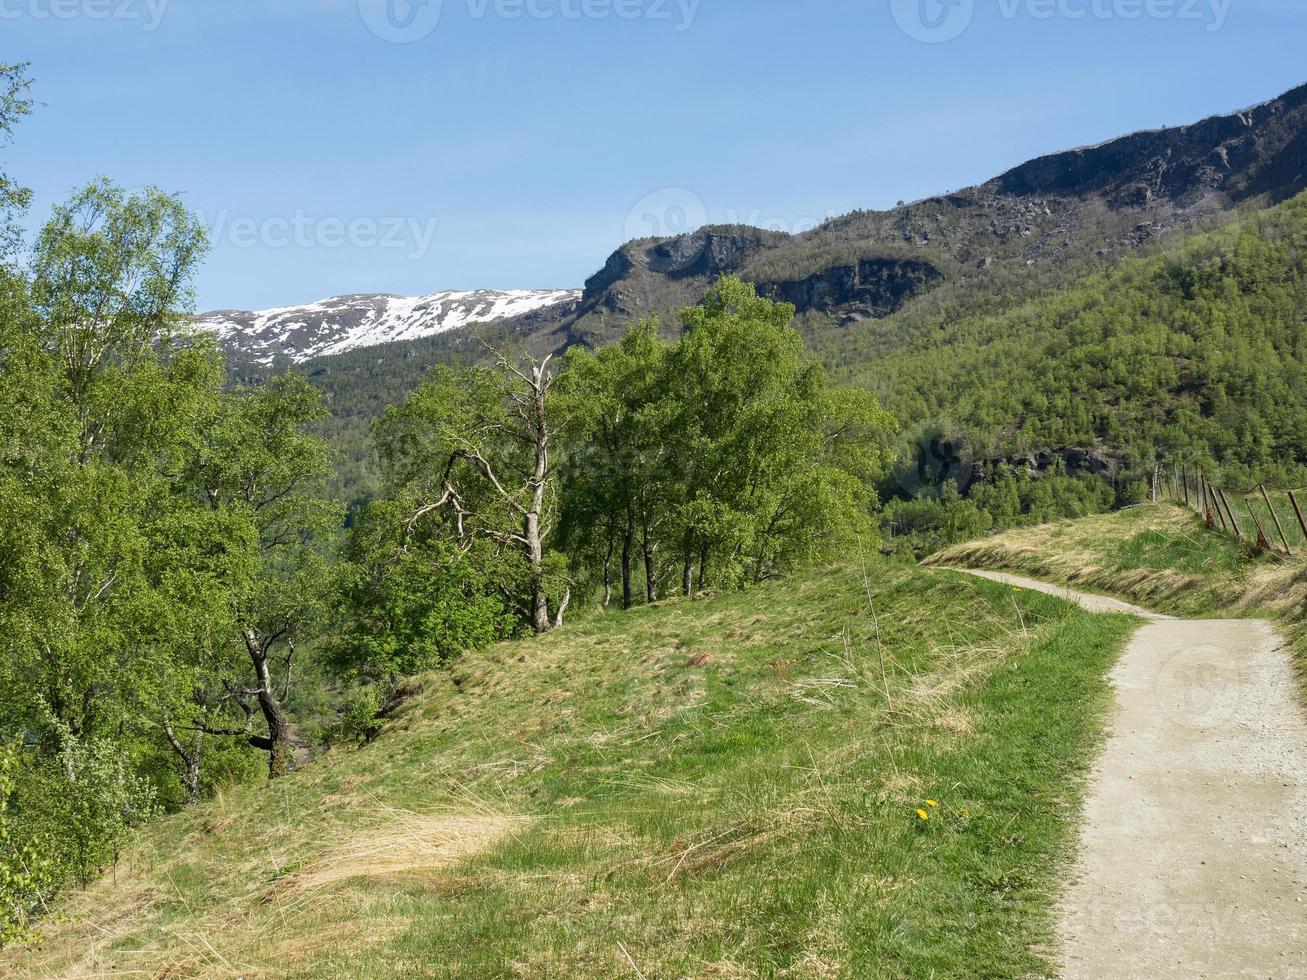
column 1238, row 533
column 1184, row 475
column 1298, row 510
column 1213, row 505
column 1263, row 541
column 1276, row 518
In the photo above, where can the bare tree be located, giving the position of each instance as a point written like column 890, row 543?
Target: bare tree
column 476, row 445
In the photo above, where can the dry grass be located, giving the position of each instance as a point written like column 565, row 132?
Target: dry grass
column 302, row 916
column 407, row 845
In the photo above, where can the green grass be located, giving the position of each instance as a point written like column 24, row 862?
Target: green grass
column 724, row 787
column 1251, row 515
column 1162, row 556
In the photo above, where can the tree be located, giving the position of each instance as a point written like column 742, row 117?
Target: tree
column 258, row 471
column 14, row 105
column 411, row 598
column 98, row 395
column 107, row 563
column 775, row 467
column 617, row 406
column 729, row 449
column 473, row 447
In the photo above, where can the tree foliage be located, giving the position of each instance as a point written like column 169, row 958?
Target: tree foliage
column 723, row 459
column 161, row 530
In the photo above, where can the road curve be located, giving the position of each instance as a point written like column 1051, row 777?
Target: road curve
column 1193, row 847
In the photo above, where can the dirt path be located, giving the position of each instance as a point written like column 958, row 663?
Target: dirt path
column 1193, row 853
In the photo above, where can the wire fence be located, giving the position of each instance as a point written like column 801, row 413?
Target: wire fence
column 1270, row 519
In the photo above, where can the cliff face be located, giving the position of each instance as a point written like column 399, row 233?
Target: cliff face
column 1260, row 150
column 870, row 288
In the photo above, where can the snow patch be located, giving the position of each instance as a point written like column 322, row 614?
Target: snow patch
column 343, row 323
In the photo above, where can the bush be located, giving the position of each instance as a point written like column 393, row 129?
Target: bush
column 81, row 808
column 26, row 876
column 358, row 720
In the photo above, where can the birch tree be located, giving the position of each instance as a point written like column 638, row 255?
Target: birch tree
column 474, row 447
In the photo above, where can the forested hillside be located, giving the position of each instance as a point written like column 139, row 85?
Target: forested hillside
column 1201, row 351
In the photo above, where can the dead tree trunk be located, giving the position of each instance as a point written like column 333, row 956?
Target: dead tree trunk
column 535, row 558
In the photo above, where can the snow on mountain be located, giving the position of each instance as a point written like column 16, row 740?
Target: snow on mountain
column 331, row 326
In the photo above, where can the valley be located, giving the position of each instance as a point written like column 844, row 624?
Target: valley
column 772, row 605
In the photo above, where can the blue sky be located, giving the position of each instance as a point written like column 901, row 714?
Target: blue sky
column 516, row 143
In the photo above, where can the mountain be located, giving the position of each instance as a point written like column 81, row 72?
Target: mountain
column 1060, row 214
column 888, row 299
column 1035, row 226
column 344, row 323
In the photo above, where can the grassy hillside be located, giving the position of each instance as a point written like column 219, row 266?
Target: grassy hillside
column 1162, row 556
column 727, row 786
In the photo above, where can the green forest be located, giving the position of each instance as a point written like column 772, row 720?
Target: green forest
column 1197, row 352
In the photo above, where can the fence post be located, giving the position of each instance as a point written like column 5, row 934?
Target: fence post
column 1184, row 475
column 1214, row 505
column 1276, row 518
column 1238, row 532
column 1298, row 510
column 1263, row 541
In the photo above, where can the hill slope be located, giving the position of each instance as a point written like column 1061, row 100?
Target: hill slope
column 726, row 786
column 1198, row 350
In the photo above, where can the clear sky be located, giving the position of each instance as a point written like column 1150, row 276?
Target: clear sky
column 337, row 146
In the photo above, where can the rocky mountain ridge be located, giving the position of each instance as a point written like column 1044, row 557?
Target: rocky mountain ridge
column 1079, row 207
column 1055, row 216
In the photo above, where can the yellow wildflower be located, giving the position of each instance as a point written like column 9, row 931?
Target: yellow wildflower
column 923, row 814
